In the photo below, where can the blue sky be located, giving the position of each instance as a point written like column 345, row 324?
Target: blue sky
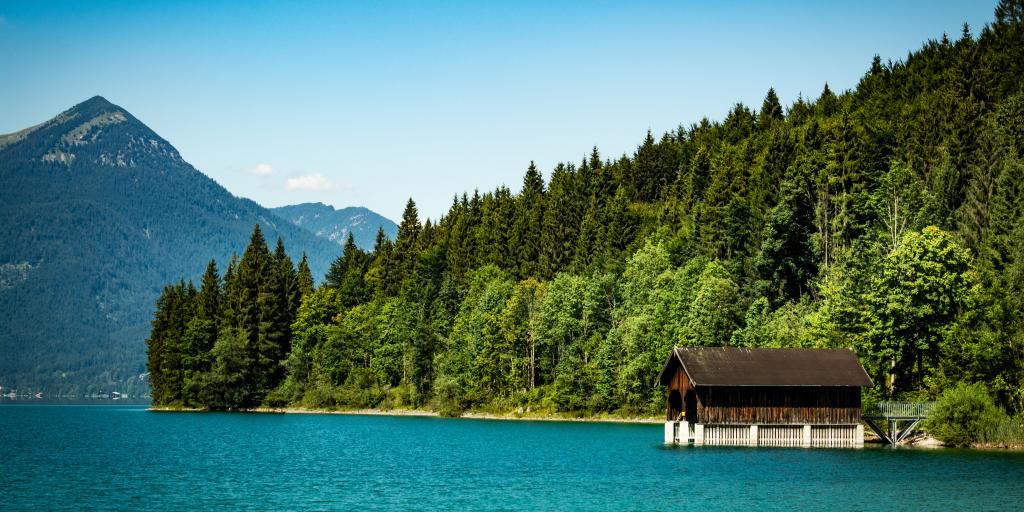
column 371, row 103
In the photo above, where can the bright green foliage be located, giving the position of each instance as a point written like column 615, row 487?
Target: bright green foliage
column 963, row 415
column 476, row 362
column 924, row 286
column 519, row 319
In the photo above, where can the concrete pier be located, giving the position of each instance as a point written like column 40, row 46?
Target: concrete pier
column 795, row 436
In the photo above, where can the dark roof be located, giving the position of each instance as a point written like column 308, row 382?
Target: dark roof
column 731, row 366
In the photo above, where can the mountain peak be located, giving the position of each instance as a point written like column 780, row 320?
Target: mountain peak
column 99, row 212
column 95, row 102
column 94, row 106
column 95, row 130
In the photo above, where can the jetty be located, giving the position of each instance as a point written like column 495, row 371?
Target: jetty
column 895, row 421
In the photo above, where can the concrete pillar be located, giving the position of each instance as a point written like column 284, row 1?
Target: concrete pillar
column 683, row 434
column 753, row 436
column 698, row 434
column 807, row 436
column 858, row 440
column 670, row 432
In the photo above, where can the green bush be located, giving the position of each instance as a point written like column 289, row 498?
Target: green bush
column 321, row 396
column 361, row 390
column 449, row 397
column 287, row 393
column 964, row 415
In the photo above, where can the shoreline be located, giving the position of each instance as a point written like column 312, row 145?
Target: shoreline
column 424, row 413
column 922, row 443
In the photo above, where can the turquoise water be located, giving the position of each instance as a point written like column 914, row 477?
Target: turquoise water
column 125, row 458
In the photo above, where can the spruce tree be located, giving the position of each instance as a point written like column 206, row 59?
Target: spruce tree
column 207, row 318
column 352, row 288
column 210, row 293
column 304, row 280
column 405, row 245
column 771, row 109
column 256, row 318
column 524, row 238
column 827, row 103
column 379, row 274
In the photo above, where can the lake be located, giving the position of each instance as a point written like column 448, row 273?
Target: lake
column 60, row 457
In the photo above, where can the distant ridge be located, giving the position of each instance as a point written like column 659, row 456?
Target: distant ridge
column 326, row 222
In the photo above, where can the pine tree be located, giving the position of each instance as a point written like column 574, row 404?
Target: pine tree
column 827, row 103
column 562, row 216
column 288, row 280
column 352, row 288
column 208, row 314
column 232, row 300
column 588, row 246
column 404, row 257
column 278, row 306
column 168, row 354
column 256, row 318
column 654, row 168
column 305, row 283
column 210, row 293
column 771, row 109
column 335, row 273
column 526, row 227
column 379, row 275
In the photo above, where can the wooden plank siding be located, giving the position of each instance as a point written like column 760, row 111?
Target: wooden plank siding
column 779, row 405
column 769, row 405
column 681, row 384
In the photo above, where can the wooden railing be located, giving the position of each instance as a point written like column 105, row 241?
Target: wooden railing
column 905, row 409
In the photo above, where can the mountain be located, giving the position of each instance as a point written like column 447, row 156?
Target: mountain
column 97, row 213
column 335, row 225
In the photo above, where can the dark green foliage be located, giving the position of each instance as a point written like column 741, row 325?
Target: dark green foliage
column 527, row 224
column 888, row 219
column 771, row 109
column 304, row 280
column 347, row 274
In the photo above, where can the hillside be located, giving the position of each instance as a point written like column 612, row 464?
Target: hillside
column 97, row 212
column 335, row 225
column 888, row 219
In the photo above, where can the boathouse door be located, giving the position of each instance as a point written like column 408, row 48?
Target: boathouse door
column 675, row 405
column 690, row 402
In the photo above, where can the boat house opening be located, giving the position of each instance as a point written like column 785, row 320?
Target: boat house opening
column 764, row 397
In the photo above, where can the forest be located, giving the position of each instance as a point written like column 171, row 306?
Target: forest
column 886, row 219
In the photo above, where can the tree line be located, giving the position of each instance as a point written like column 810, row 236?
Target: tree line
column 886, row 219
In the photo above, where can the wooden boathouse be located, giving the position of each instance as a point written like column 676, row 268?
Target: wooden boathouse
column 764, row 397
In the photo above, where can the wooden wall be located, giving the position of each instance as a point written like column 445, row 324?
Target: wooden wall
column 765, row 405
column 681, row 384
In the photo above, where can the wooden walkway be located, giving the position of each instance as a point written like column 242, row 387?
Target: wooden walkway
column 901, row 418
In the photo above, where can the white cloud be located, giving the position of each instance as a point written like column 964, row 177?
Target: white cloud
column 315, row 181
column 262, row 170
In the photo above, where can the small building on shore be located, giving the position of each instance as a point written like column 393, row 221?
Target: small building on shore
column 764, row 397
